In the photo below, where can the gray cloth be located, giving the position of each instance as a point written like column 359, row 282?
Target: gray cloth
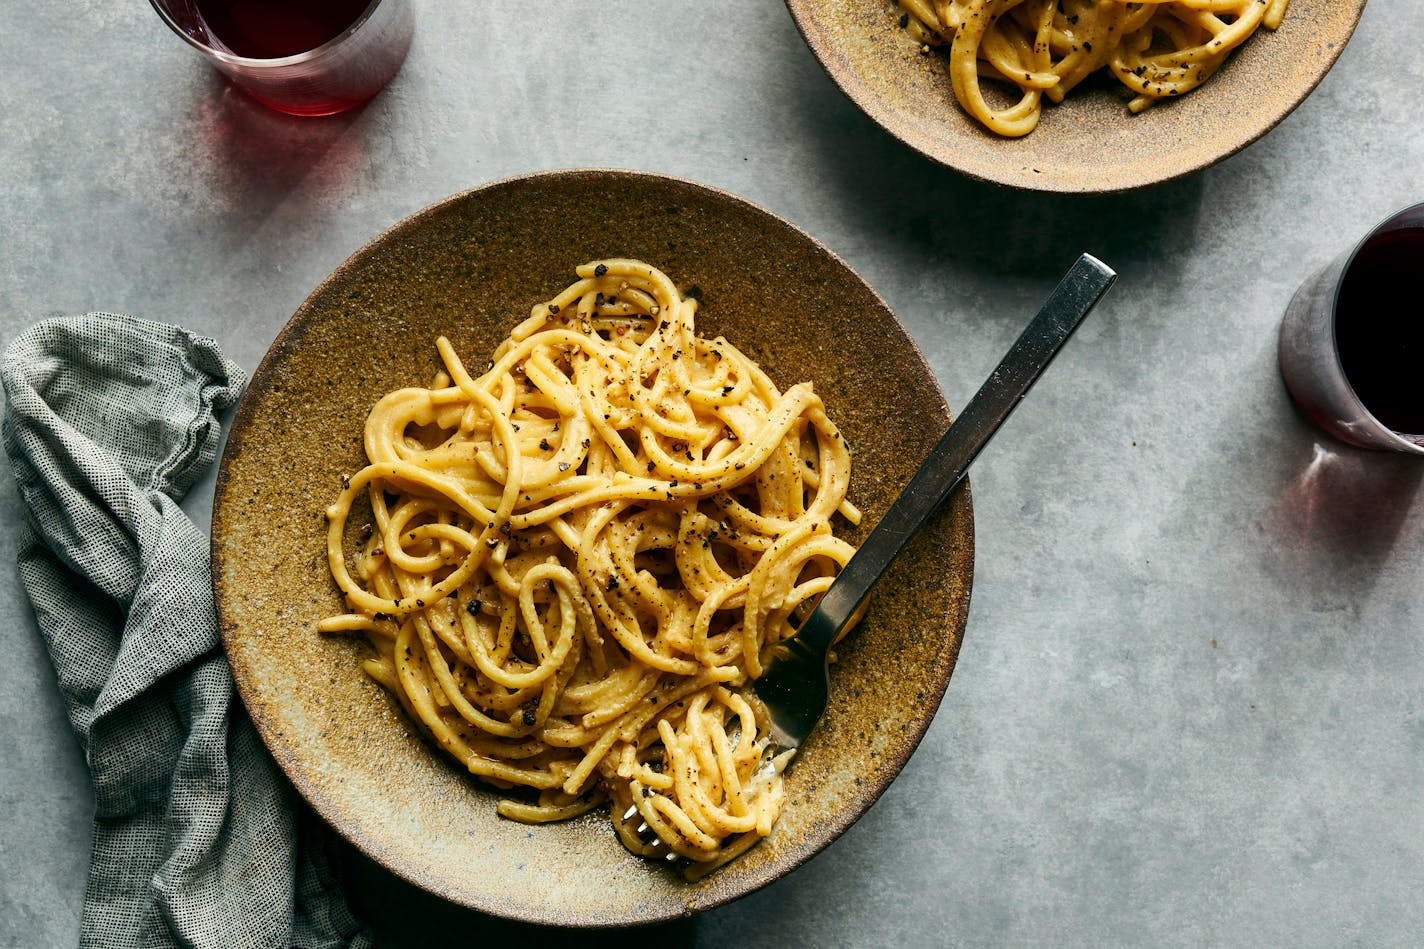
column 198, row 839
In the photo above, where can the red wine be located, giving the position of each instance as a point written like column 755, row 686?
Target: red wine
column 272, row 29
column 1379, row 328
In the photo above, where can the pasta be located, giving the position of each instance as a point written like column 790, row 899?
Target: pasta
column 1043, row 48
column 573, row 564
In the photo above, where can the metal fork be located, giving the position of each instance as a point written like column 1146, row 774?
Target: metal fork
column 794, row 685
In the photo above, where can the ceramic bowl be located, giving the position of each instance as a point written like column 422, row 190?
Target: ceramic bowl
column 471, row 267
column 1090, row 142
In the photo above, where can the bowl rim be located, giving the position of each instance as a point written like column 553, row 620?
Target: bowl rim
column 860, row 94
column 960, row 568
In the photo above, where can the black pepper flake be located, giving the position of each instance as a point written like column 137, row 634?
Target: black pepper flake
column 420, row 603
column 473, row 607
column 651, row 466
column 506, row 528
column 598, row 299
column 564, row 466
column 677, row 354
column 612, row 583
column 553, row 308
column 586, row 443
column 529, row 717
column 727, row 390
column 904, row 20
column 600, row 270
column 543, row 444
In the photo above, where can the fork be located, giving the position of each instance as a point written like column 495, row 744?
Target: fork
column 794, row 685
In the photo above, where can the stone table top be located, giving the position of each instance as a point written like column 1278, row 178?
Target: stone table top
column 1188, row 709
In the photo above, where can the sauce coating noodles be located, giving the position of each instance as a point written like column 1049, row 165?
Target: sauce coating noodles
column 574, row 562
column 1044, row 48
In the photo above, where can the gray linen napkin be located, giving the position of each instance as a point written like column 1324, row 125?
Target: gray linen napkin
column 198, row 839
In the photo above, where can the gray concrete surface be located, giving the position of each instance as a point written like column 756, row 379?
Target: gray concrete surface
column 1188, row 709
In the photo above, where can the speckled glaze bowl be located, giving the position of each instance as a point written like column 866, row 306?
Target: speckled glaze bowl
column 1089, row 143
column 470, row 267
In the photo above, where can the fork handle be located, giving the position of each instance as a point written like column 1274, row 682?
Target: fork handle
column 1074, row 297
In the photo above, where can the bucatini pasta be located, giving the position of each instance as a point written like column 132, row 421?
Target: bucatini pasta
column 1043, row 48
column 572, row 563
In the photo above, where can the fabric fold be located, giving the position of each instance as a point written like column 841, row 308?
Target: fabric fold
column 198, row 839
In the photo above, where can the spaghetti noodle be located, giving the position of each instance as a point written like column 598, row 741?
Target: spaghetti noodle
column 1044, row 48
column 573, row 563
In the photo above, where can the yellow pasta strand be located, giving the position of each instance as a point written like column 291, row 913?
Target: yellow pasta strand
column 1159, row 49
column 571, row 565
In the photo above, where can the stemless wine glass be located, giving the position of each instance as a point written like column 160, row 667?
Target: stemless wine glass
column 344, row 70
column 1380, row 317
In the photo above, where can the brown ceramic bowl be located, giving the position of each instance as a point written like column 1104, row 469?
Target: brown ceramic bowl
column 470, row 267
column 1090, row 142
